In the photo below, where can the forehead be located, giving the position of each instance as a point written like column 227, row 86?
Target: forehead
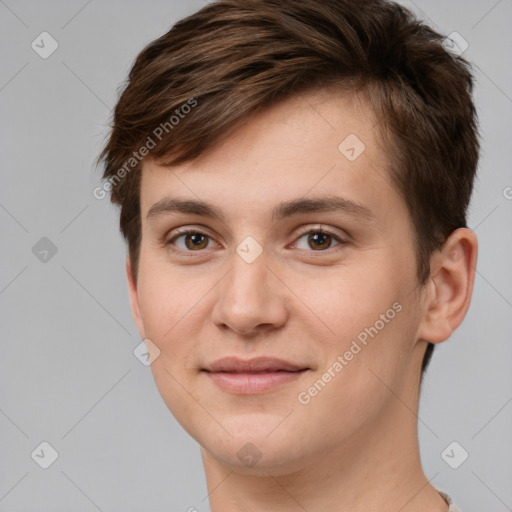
column 307, row 145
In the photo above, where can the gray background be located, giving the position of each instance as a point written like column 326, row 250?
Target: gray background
column 68, row 375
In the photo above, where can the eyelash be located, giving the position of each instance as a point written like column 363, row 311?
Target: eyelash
column 187, row 231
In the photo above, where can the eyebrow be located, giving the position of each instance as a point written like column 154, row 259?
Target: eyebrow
column 281, row 211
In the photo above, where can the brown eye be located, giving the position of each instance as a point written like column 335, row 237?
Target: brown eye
column 196, row 241
column 190, row 241
column 319, row 240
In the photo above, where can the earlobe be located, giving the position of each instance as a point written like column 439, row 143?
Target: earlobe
column 134, row 298
column 450, row 286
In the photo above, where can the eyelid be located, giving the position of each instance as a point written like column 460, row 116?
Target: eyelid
column 177, row 232
column 320, row 228
column 303, row 230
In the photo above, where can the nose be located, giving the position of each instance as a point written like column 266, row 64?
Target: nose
column 251, row 299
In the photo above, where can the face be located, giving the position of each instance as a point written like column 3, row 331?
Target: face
column 287, row 250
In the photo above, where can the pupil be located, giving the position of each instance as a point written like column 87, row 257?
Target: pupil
column 319, row 239
column 196, row 240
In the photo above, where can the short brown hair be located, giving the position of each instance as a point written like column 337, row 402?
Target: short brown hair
column 234, row 57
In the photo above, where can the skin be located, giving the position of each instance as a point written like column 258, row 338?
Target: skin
column 354, row 445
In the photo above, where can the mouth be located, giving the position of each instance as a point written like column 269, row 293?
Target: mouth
column 253, row 376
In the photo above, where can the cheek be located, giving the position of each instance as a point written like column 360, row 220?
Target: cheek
column 172, row 310
column 345, row 301
column 168, row 296
column 175, row 305
column 368, row 318
column 368, row 357
column 173, row 318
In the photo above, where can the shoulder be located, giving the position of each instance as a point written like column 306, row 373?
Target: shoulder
column 448, row 500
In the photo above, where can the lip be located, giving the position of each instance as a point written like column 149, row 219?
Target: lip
column 253, row 376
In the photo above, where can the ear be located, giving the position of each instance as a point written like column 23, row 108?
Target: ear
column 134, row 298
column 450, row 286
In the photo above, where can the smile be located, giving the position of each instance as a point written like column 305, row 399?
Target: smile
column 252, row 383
column 240, row 377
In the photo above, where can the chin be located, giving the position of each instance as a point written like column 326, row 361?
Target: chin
column 256, row 448
column 256, row 457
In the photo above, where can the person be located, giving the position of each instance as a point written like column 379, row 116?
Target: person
column 293, row 181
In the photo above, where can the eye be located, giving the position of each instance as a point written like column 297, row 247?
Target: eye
column 319, row 240
column 193, row 240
